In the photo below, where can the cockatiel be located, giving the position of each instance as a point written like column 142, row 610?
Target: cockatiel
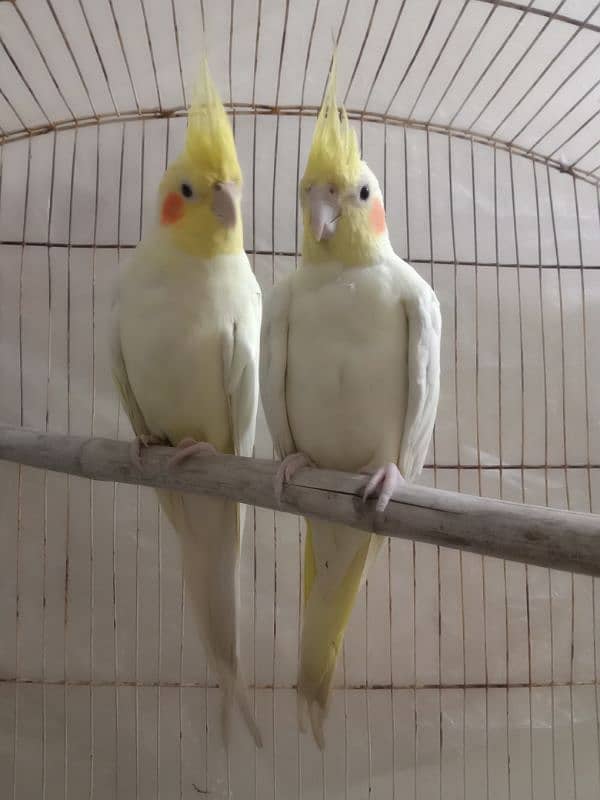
column 350, row 358
column 185, row 343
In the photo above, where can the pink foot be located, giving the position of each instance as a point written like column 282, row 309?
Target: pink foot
column 190, row 447
column 383, row 483
column 287, row 469
column 142, row 441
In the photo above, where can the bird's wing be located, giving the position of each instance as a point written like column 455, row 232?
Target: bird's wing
column 120, row 377
column 273, row 367
column 240, row 361
column 424, row 330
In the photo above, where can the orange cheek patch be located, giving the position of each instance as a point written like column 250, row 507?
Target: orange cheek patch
column 377, row 217
column 172, row 208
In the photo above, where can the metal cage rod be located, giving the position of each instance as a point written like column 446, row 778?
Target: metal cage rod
column 553, row 538
column 543, row 12
column 578, row 25
column 305, row 111
column 295, row 254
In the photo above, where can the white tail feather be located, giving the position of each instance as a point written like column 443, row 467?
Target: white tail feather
column 210, row 537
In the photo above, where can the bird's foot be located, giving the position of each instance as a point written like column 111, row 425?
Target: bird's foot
column 382, row 483
column 141, row 442
column 190, row 447
column 287, row 469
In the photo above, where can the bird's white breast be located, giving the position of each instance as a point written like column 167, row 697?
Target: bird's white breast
column 346, row 382
column 172, row 323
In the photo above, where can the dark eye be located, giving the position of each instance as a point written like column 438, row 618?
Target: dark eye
column 364, row 193
column 186, row 190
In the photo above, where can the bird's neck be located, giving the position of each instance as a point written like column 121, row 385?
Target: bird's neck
column 220, row 241
column 350, row 253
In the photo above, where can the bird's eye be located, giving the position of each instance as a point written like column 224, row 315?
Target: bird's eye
column 364, row 193
column 186, row 190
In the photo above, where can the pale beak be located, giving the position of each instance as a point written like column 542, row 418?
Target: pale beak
column 224, row 204
column 324, row 211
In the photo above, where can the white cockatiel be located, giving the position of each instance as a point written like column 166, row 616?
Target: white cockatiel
column 350, row 360
column 185, row 342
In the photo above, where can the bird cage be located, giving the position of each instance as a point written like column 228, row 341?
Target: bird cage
column 462, row 676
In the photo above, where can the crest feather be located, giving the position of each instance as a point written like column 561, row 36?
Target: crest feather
column 334, row 154
column 209, row 139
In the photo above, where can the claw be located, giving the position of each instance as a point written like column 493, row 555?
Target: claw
column 142, row 441
column 287, row 469
column 189, row 447
column 383, row 483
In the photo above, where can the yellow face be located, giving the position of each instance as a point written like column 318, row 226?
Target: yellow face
column 199, row 196
column 342, row 204
column 343, row 222
column 201, row 209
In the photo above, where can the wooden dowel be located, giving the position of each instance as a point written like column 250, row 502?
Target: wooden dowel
column 563, row 540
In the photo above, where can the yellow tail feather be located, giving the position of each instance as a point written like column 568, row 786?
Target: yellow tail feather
column 327, row 609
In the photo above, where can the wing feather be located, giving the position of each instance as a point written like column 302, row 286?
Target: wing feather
column 121, row 379
column 240, row 358
column 273, row 367
column 424, row 335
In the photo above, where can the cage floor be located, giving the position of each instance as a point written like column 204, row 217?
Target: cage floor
column 163, row 742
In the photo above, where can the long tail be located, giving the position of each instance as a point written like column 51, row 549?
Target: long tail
column 209, row 530
column 336, row 562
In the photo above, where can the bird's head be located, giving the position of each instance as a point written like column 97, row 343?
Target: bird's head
column 343, row 213
column 200, row 193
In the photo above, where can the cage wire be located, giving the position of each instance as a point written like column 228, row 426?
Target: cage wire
column 461, row 675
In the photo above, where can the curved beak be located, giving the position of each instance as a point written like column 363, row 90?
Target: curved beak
column 224, row 202
column 324, row 212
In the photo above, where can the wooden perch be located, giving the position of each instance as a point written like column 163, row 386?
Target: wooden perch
column 564, row 540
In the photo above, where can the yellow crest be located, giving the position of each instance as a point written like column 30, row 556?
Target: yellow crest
column 209, row 140
column 334, row 155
